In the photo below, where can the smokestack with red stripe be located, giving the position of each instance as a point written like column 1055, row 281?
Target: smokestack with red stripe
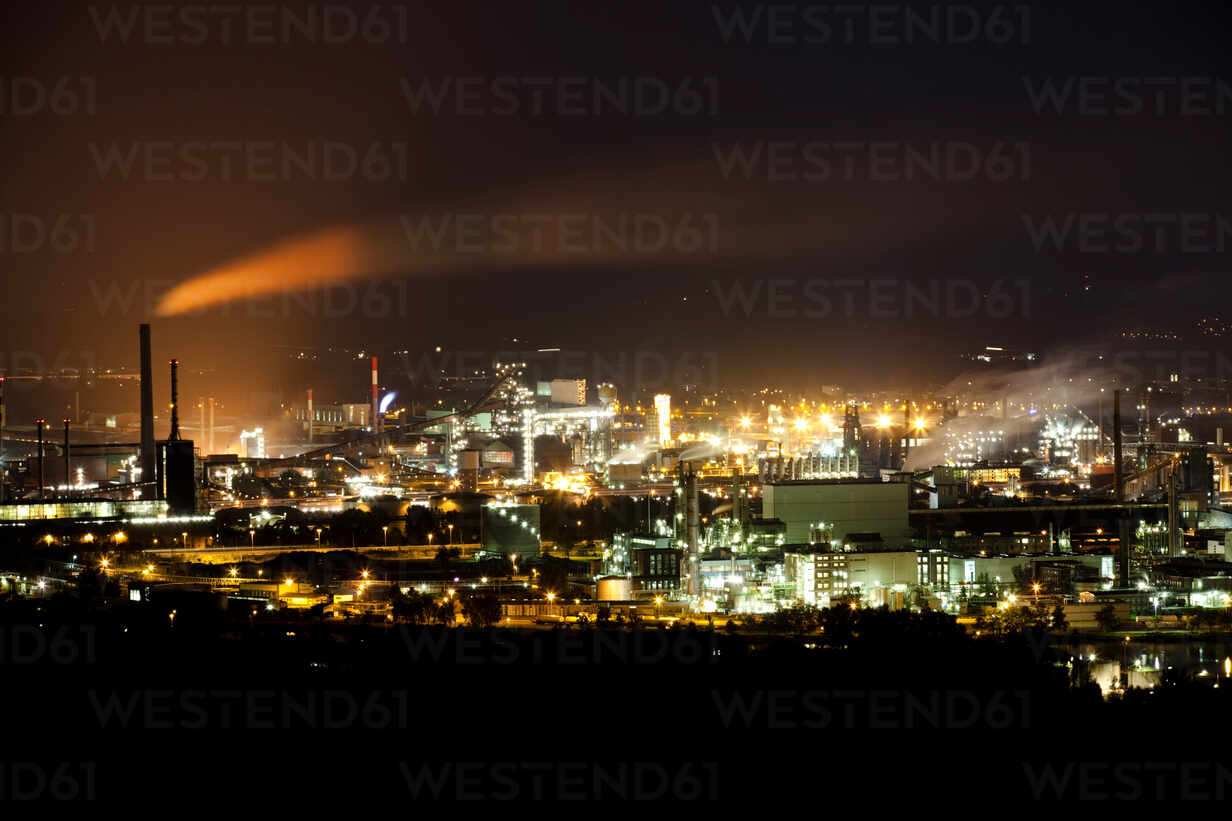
column 376, row 418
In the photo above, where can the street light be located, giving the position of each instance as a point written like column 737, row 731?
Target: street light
column 451, row 534
column 252, row 537
column 385, row 530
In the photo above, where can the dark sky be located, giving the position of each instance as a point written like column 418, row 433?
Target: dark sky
column 856, row 274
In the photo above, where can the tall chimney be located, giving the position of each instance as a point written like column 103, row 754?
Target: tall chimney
column 691, row 531
column 376, row 421
column 40, row 423
column 1117, row 486
column 210, row 435
column 3, row 421
column 175, row 401
column 67, row 459
column 907, row 433
column 147, row 408
column 1099, row 450
column 1174, row 543
column 310, row 414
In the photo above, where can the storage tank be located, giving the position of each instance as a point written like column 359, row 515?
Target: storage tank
column 614, row 588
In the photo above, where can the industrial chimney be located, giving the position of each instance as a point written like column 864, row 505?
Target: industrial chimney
column 376, row 417
column 147, row 408
column 691, row 514
column 176, row 479
column 175, row 401
column 3, row 421
column 40, row 423
column 67, row 460
column 1117, row 486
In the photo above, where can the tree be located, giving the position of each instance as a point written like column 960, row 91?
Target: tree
column 1107, row 618
column 413, row 607
column 445, row 554
column 1018, row 619
column 446, row 612
column 481, row 610
column 1059, row 622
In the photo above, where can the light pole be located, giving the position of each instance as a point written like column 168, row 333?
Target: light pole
column 451, row 534
column 252, row 538
column 318, row 537
column 385, row 530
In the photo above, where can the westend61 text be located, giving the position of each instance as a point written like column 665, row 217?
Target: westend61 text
column 873, row 709
column 31, row 644
column 40, row 781
column 465, row 645
column 561, row 780
column 250, row 24
column 880, row 24
column 251, row 709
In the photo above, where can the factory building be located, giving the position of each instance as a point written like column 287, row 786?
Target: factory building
column 819, row 578
column 513, row 420
column 1005, row 572
column 847, row 506
column 586, row 428
column 326, row 417
column 652, row 562
column 822, row 577
column 567, row 391
column 663, row 410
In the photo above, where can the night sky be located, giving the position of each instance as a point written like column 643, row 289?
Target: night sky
column 774, row 229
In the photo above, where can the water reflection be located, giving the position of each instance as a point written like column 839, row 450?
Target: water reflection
column 1117, row 665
